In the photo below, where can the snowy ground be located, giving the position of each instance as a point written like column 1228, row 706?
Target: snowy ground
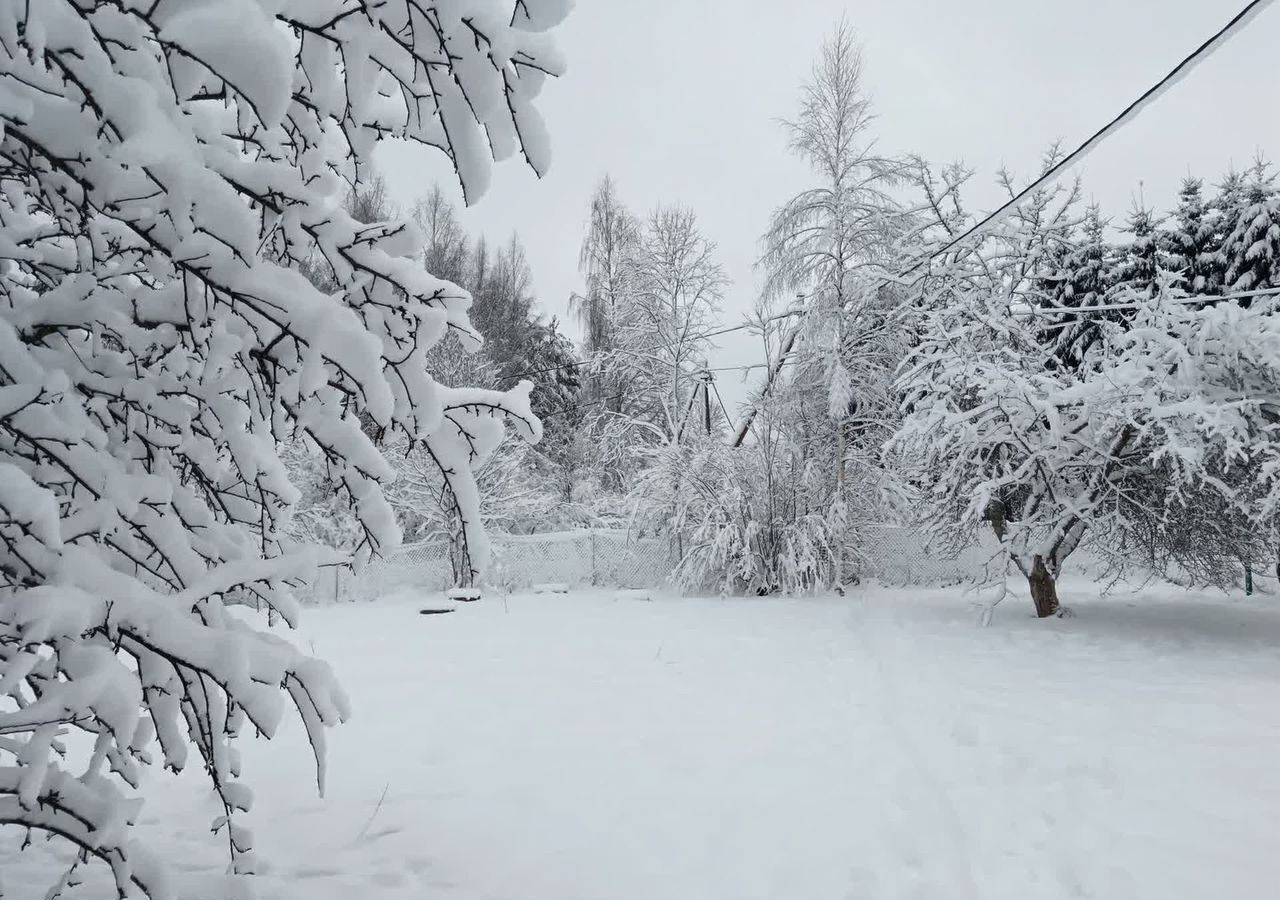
column 880, row 746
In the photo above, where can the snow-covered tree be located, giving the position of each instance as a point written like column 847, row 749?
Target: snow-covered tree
column 164, row 170
column 661, row 341
column 607, row 261
column 1082, row 278
column 558, row 402
column 825, row 244
column 660, row 349
column 760, row 518
column 446, row 248
column 824, row 251
column 520, row 490
column 1143, row 258
column 1192, row 242
column 849, row 221
column 505, row 312
column 985, row 290
column 1252, row 250
column 1169, row 410
column 1224, row 211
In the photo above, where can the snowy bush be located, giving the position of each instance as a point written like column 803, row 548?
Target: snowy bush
column 164, row 169
column 740, row 522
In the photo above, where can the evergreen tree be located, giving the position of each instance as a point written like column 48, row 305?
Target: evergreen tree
column 1193, row 243
column 557, row 400
column 503, row 308
column 1252, row 248
column 1229, row 201
column 558, row 379
column 1224, row 213
column 1143, row 257
column 1085, row 275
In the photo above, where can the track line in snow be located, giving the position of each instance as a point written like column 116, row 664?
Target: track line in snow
column 875, row 645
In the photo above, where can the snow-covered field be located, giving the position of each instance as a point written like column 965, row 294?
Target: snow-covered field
column 878, row 746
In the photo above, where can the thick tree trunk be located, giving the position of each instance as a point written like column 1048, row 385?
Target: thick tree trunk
column 1044, row 590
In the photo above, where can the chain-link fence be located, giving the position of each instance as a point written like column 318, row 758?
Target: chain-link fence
column 894, row 554
column 616, row 559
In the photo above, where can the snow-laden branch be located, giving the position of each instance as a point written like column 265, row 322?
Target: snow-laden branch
column 165, row 171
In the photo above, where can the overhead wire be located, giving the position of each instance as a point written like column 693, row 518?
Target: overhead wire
column 583, row 363
column 1188, row 300
column 601, row 402
column 1237, row 22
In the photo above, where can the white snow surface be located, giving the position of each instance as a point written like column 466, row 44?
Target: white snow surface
column 572, row 747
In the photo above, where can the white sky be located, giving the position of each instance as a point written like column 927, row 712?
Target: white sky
column 679, row 101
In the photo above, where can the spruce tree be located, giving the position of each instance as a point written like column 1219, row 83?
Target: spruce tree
column 1084, row 276
column 1143, row 257
column 1193, row 243
column 1252, row 248
column 1224, row 211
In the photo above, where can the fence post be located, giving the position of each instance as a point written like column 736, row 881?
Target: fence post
column 595, row 574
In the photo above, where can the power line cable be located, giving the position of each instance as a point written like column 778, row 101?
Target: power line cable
column 1188, row 300
column 601, row 402
column 703, row 336
column 1221, row 36
column 1189, row 62
column 1237, row 22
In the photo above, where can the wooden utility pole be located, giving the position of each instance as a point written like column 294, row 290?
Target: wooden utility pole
column 706, row 400
column 688, row 411
column 704, row 387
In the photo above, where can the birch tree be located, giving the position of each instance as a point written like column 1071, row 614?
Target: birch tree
column 829, row 248
column 662, row 331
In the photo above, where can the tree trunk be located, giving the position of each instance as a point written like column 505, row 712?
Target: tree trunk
column 997, row 516
column 1248, row 579
column 1044, row 590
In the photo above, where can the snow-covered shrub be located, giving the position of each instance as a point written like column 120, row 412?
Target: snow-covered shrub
column 164, row 168
column 1201, row 532
column 736, row 526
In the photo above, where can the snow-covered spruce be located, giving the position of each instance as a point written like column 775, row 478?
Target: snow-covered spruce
column 164, row 169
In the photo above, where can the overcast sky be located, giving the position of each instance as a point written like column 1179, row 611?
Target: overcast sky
column 679, row 101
